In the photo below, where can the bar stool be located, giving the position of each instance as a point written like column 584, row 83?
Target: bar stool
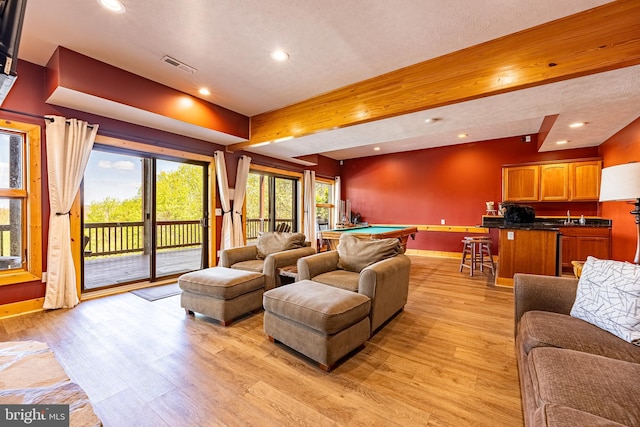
column 477, row 248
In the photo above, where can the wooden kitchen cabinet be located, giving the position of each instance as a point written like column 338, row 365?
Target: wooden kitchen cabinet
column 584, row 180
column 570, row 181
column 554, row 182
column 580, row 242
column 520, row 183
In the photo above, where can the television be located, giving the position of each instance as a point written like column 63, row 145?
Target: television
column 11, row 17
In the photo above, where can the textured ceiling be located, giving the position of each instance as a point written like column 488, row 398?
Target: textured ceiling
column 332, row 44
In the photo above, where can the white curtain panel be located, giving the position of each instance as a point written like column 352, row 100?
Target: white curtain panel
column 336, row 201
column 238, row 199
column 69, row 144
column 310, row 208
column 226, row 240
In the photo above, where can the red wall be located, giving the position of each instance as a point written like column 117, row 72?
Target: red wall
column 454, row 182
column 623, row 147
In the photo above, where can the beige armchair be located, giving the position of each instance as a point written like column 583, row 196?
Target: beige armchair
column 272, row 251
column 385, row 282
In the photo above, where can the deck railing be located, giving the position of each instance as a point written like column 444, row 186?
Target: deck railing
column 257, row 225
column 115, row 238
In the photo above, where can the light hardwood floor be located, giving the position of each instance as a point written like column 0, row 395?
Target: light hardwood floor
column 446, row 360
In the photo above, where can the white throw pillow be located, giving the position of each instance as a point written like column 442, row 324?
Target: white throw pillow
column 608, row 296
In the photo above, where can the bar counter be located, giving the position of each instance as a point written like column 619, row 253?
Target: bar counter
column 537, row 247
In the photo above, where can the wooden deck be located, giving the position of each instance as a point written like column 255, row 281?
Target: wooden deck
column 114, row 270
column 447, row 360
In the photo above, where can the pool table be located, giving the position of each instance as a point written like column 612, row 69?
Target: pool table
column 402, row 232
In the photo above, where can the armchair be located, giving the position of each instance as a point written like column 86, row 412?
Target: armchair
column 273, row 251
column 385, row 282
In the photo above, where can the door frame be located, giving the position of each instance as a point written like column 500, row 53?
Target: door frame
column 76, row 211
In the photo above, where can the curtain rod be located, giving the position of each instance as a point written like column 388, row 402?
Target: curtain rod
column 35, row 116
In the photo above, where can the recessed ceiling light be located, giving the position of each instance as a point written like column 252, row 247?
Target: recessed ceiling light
column 562, row 142
column 463, row 135
column 114, row 6
column 376, row 148
column 577, row 124
column 279, row 55
column 431, row 120
column 204, row 91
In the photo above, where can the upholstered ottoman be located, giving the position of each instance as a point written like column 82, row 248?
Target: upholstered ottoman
column 322, row 322
column 221, row 293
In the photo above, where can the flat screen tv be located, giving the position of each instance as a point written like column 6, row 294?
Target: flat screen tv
column 11, row 17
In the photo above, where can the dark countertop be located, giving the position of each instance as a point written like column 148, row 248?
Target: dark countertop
column 527, row 226
column 545, row 223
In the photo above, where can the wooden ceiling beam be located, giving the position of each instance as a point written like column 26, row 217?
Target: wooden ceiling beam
column 597, row 40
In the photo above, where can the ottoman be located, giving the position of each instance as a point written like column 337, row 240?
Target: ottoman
column 322, row 322
column 221, row 293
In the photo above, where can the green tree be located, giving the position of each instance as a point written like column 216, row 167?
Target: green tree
column 322, row 192
column 179, row 194
column 322, row 196
column 253, row 196
column 284, row 198
column 111, row 209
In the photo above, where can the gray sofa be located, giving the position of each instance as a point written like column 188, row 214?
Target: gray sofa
column 572, row 373
column 385, row 282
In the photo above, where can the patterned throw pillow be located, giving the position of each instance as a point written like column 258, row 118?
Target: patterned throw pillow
column 608, row 296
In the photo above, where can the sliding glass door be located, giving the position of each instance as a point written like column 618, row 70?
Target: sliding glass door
column 142, row 218
column 271, row 203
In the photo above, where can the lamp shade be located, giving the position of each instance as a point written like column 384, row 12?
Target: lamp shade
column 621, row 182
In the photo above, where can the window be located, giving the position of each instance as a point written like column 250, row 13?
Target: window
column 324, row 203
column 20, row 215
column 271, row 200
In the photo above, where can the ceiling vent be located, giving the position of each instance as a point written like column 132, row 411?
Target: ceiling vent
column 179, row 65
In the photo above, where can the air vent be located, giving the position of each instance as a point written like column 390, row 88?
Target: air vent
column 179, row 65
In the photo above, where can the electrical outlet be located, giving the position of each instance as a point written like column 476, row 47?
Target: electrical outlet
column 44, row 277
column 510, row 235
column 442, row 221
